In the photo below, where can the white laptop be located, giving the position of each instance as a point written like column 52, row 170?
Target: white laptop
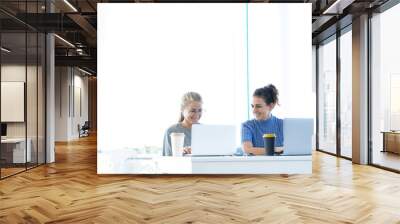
column 297, row 134
column 213, row 140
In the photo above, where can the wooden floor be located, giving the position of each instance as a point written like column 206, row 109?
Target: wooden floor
column 387, row 159
column 70, row 191
column 10, row 171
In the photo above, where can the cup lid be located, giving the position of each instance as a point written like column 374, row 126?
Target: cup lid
column 270, row 135
column 177, row 133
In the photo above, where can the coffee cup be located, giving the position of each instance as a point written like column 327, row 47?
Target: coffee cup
column 177, row 141
column 269, row 144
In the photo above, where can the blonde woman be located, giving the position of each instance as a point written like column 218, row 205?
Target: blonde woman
column 191, row 110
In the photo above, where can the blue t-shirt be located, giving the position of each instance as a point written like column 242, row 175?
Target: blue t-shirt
column 253, row 131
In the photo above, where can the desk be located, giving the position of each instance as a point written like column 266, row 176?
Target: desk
column 128, row 163
column 15, row 148
column 391, row 141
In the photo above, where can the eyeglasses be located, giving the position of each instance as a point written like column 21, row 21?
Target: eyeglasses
column 258, row 106
column 193, row 111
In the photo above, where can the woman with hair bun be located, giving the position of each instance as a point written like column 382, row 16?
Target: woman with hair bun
column 264, row 101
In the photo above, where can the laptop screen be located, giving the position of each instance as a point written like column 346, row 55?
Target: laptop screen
column 297, row 133
column 213, row 139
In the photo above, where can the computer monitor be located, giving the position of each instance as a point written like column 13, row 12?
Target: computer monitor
column 3, row 129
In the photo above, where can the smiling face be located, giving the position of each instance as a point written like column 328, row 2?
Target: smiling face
column 261, row 110
column 192, row 112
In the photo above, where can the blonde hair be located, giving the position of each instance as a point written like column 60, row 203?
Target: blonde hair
column 188, row 98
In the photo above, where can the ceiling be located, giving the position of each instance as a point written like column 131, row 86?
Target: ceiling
column 76, row 22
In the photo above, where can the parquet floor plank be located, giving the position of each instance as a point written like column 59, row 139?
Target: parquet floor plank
column 70, row 191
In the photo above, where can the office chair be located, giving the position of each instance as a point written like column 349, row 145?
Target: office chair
column 84, row 130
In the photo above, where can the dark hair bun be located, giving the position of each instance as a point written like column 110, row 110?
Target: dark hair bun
column 269, row 93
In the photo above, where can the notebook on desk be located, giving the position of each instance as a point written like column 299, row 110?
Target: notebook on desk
column 213, row 140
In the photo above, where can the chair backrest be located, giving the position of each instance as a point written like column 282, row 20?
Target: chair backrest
column 86, row 125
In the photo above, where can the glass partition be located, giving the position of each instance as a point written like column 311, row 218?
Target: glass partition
column 41, row 87
column 14, row 151
column 22, row 90
column 32, row 96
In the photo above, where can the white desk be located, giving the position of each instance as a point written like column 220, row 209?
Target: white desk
column 128, row 163
column 18, row 150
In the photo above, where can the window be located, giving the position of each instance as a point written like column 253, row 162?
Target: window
column 327, row 95
column 385, row 85
column 346, row 93
column 280, row 59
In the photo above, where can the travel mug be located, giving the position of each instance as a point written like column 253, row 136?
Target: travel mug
column 269, row 144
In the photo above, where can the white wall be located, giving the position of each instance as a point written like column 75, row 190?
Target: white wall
column 70, row 83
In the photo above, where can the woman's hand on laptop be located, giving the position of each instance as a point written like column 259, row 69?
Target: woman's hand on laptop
column 187, row 150
column 279, row 149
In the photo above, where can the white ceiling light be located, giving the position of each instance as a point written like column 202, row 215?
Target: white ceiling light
column 70, row 5
column 337, row 7
column 65, row 41
column 84, row 71
column 5, row 50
